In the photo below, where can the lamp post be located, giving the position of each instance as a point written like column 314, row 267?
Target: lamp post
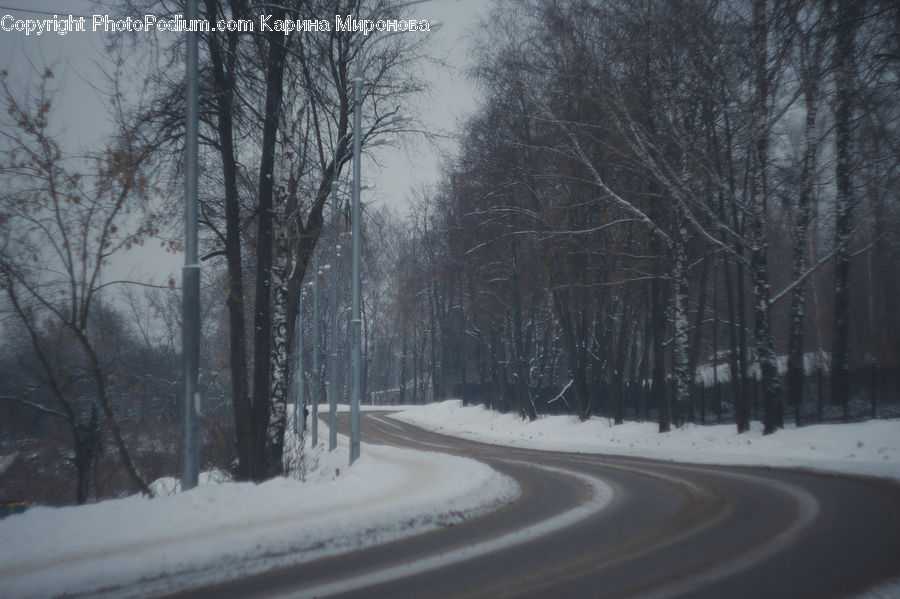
column 314, row 394
column 333, row 365
column 355, row 321
column 300, row 404
column 190, row 274
column 355, row 318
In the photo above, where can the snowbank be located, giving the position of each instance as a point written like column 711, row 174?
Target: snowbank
column 868, row 448
column 235, row 529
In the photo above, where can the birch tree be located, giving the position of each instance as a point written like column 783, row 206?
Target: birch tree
column 809, row 23
column 280, row 109
column 643, row 151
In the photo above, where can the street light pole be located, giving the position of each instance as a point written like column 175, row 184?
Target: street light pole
column 314, row 395
column 300, row 404
column 190, row 274
column 355, row 320
column 333, row 367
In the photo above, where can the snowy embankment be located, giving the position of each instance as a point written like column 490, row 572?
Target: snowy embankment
column 867, row 448
column 228, row 530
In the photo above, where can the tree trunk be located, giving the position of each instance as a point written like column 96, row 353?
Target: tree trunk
column 619, row 371
column 481, row 352
column 682, row 373
column 765, row 348
column 571, row 341
column 223, row 80
column 262, row 305
column 795, row 373
column 523, row 393
column 437, row 389
column 81, row 463
column 844, row 63
column 100, row 381
column 697, row 338
column 404, row 357
column 280, row 372
column 658, row 324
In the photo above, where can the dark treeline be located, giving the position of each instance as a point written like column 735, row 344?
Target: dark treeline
column 664, row 210
column 661, row 208
column 58, row 442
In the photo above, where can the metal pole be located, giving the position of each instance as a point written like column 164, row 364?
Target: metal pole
column 356, row 322
column 190, row 274
column 356, row 216
column 314, row 393
column 333, row 366
column 300, row 405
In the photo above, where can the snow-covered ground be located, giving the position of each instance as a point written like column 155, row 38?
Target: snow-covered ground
column 867, row 448
column 234, row 529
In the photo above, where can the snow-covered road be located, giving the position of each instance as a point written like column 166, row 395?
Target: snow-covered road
column 225, row 531
column 220, row 531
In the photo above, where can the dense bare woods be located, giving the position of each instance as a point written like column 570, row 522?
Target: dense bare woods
column 671, row 210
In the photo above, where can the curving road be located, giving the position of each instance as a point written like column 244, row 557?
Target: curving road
column 603, row 526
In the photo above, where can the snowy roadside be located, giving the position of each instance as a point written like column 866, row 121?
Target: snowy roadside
column 137, row 546
column 867, row 448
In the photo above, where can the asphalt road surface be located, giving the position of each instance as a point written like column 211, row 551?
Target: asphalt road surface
column 670, row 530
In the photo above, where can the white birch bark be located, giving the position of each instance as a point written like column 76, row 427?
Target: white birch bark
column 279, row 369
column 679, row 273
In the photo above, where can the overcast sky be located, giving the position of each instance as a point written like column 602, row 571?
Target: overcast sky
column 82, row 120
column 453, row 96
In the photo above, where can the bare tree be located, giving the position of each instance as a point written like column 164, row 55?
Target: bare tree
column 277, row 113
column 64, row 218
column 847, row 21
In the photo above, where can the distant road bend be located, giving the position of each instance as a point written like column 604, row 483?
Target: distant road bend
column 670, row 530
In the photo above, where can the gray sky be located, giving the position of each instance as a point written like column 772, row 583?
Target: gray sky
column 453, row 96
column 81, row 120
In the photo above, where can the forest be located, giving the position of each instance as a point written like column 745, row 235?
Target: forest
column 665, row 211
column 678, row 211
